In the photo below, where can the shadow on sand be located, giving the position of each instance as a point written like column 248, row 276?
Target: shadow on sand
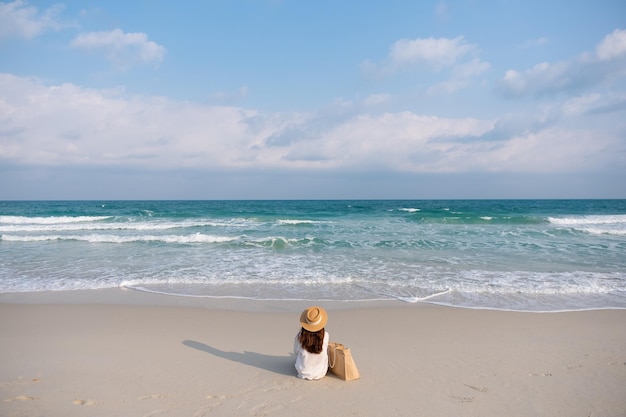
column 283, row 365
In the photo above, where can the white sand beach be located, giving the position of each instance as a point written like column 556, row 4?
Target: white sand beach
column 125, row 353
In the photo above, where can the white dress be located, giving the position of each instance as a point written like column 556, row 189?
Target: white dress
column 311, row 365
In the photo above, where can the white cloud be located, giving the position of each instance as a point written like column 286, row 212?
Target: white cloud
column 123, row 49
column 574, row 75
column 70, row 125
column 554, row 149
column 461, row 76
column 392, row 141
column 435, row 52
column 613, row 45
column 542, row 78
column 18, row 19
column 66, row 125
column 453, row 59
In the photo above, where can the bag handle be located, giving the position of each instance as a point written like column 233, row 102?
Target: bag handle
column 334, row 361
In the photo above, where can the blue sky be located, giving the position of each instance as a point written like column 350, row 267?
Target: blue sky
column 270, row 99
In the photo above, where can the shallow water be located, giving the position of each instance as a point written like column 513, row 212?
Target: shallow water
column 538, row 255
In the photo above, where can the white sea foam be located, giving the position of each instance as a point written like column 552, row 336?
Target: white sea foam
column 297, row 222
column 293, row 281
column 605, row 231
column 598, row 225
column 107, row 238
column 255, row 297
column 410, row 210
column 279, row 241
column 408, row 297
column 13, row 220
column 539, row 283
column 585, row 220
column 87, row 226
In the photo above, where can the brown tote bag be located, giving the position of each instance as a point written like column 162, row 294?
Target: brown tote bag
column 341, row 363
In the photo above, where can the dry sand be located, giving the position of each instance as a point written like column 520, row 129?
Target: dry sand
column 131, row 354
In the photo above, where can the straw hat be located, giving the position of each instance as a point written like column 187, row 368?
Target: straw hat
column 313, row 319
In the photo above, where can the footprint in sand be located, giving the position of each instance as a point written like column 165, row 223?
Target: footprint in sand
column 87, row 403
column 463, row 399
column 216, row 401
column 152, row 397
column 218, row 397
column 263, row 409
column 475, row 388
column 20, row 398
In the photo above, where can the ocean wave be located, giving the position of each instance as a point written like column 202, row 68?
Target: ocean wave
column 527, row 297
column 110, row 226
column 597, row 225
column 102, row 238
column 604, row 231
column 281, row 242
column 296, row 222
column 586, row 220
column 13, row 220
column 273, row 242
column 472, row 253
column 410, row 210
column 269, row 281
column 454, row 218
column 539, row 283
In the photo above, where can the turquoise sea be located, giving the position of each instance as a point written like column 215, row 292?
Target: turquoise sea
column 532, row 255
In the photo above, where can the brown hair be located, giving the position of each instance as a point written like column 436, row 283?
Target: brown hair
column 312, row 341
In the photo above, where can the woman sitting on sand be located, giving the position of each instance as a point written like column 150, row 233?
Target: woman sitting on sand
column 311, row 344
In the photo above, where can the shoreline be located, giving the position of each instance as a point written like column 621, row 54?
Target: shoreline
column 123, row 352
column 132, row 296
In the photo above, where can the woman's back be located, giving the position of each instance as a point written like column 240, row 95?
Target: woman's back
column 311, row 344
